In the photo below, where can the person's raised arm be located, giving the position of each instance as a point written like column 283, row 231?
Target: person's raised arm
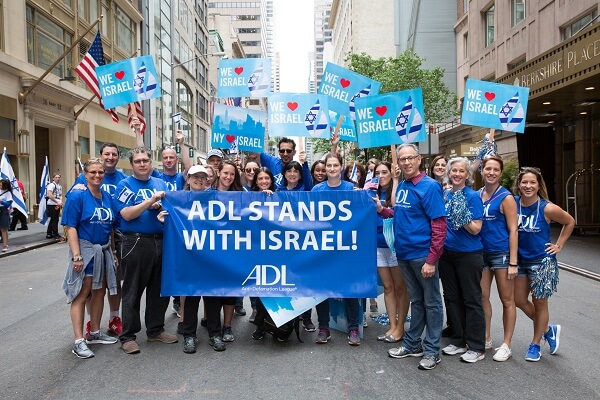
column 185, row 156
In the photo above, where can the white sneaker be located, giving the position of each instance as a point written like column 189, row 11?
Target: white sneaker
column 472, row 356
column 489, row 345
column 503, row 353
column 453, row 350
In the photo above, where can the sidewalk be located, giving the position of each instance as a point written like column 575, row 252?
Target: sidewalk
column 33, row 238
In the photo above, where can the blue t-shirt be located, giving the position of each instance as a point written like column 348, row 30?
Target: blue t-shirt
column 275, row 165
column 109, row 183
column 416, row 206
column 460, row 239
column 323, row 187
column 92, row 218
column 494, row 231
column 534, row 231
column 132, row 191
column 172, row 182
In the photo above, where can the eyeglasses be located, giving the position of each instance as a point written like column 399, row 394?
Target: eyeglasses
column 407, row 158
column 529, row 169
column 251, row 170
column 142, row 161
column 286, row 151
column 95, row 172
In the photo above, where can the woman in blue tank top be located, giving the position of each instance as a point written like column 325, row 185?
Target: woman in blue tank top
column 538, row 270
column 499, row 239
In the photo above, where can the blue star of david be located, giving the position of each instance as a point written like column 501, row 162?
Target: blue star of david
column 401, row 120
column 253, row 79
column 311, row 117
column 139, row 81
column 506, row 109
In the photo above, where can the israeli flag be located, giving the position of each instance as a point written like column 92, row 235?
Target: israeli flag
column 315, row 121
column 358, row 95
column 44, row 181
column 512, row 105
column 176, row 117
column 6, row 172
column 354, row 174
column 144, row 83
column 258, row 82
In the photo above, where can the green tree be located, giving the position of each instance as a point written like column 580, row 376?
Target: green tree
column 395, row 74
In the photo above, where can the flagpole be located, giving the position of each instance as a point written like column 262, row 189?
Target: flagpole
column 23, row 95
column 87, row 103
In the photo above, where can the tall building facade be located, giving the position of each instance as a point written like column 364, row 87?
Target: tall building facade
column 49, row 117
column 549, row 47
column 358, row 26
column 323, row 34
column 249, row 21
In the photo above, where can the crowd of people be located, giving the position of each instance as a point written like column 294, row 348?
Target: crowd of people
column 430, row 229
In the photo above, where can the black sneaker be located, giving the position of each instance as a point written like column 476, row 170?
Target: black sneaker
column 217, row 343
column 227, row 334
column 189, row 345
column 258, row 334
column 240, row 311
column 308, row 325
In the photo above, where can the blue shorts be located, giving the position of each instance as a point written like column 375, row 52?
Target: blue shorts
column 528, row 269
column 89, row 270
column 497, row 260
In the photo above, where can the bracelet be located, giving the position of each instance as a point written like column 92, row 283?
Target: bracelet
column 77, row 258
column 513, row 265
column 559, row 246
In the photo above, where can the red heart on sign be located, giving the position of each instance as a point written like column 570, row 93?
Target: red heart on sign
column 381, row 110
column 490, row 96
column 239, row 70
column 230, row 138
column 119, row 74
column 344, row 82
column 292, row 106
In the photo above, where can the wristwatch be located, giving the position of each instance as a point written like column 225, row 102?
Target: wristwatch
column 77, row 258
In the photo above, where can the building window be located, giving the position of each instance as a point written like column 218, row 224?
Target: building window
column 84, row 144
column 518, row 11
column 46, row 42
column 184, row 98
column 575, row 27
column 106, row 12
column 202, row 140
column 1, row 25
column 516, row 64
column 488, row 20
column 466, row 6
column 7, row 129
column 466, row 45
column 124, row 31
column 88, row 10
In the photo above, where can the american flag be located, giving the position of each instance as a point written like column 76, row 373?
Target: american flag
column 140, row 115
column 87, row 71
column 233, row 101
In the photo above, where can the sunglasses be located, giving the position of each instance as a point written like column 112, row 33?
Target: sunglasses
column 286, row 151
column 251, row 170
column 531, row 169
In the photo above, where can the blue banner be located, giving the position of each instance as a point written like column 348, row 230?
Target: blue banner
column 347, row 130
column 494, row 105
column 292, row 114
column 391, row 118
column 244, row 77
column 127, row 81
column 343, row 87
column 289, row 244
column 238, row 127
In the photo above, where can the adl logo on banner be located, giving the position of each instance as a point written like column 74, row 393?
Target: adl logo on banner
column 391, row 118
column 127, row 81
column 495, row 105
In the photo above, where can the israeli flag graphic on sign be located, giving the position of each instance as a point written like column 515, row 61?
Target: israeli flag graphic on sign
column 244, row 77
column 391, row 118
column 494, row 105
column 293, row 114
column 128, row 81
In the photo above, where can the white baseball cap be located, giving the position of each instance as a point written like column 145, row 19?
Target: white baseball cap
column 214, row 152
column 197, row 169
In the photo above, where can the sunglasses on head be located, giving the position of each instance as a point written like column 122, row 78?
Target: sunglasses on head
column 530, row 169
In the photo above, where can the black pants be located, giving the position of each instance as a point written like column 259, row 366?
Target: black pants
column 141, row 264
column 53, row 214
column 212, row 307
column 461, row 276
column 18, row 216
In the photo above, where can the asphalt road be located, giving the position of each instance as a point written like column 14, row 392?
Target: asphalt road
column 37, row 362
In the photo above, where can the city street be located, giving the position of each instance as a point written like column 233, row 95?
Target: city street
column 37, row 361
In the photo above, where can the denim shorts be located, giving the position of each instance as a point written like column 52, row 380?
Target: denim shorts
column 528, row 269
column 497, row 260
column 385, row 257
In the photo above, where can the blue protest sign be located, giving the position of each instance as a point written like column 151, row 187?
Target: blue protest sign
column 244, row 77
column 292, row 114
column 494, row 105
column 391, row 118
column 298, row 244
column 343, row 87
column 347, row 131
column 127, row 81
column 338, row 317
column 284, row 309
column 238, row 127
